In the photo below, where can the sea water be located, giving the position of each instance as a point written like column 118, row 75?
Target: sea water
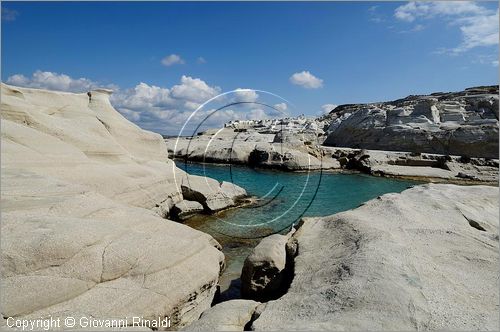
column 281, row 200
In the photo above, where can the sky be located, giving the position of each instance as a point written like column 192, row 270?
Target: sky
column 164, row 60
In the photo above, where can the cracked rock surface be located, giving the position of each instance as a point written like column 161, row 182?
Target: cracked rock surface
column 423, row 259
column 232, row 315
column 82, row 194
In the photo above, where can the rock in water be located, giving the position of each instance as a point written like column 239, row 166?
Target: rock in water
column 232, row 315
column 79, row 237
column 424, row 259
column 214, row 196
column 185, row 209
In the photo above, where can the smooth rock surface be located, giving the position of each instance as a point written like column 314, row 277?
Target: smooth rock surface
column 69, row 251
column 214, row 196
column 424, row 259
column 267, row 271
column 184, row 209
column 231, row 315
column 80, row 185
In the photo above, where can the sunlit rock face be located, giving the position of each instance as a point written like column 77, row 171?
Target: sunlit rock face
column 83, row 192
column 463, row 123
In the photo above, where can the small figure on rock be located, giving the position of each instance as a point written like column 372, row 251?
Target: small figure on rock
column 90, row 96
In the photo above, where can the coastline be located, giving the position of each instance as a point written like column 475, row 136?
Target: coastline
column 119, row 199
column 361, row 170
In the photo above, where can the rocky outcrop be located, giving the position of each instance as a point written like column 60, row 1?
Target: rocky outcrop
column 214, row 196
column 82, row 191
column 267, row 270
column 230, row 146
column 185, row 209
column 232, row 315
column 424, row 259
column 69, row 251
column 424, row 166
column 462, row 123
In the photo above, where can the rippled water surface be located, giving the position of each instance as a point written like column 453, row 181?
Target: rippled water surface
column 282, row 199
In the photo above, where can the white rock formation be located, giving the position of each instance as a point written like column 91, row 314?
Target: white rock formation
column 214, row 196
column 226, row 316
column 424, row 259
column 79, row 235
column 254, row 148
column 267, row 270
column 185, row 209
column 461, row 123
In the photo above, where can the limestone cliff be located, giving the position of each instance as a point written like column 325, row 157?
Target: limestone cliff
column 457, row 123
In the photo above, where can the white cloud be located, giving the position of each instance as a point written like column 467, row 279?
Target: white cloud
column 166, row 110
column 245, row 95
column 327, row 108
column 281, row 107
column 478, row 31
column 172, row 59
column 306, row 80
column 142, row 97
column 478, row 24
column 201, row 60
column 53, row 81
column 194, row 90
column 413, row 10
column 161, row 109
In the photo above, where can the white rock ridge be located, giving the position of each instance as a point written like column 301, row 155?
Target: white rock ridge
column 425, row 259
column 80, row 185
column 461, row 123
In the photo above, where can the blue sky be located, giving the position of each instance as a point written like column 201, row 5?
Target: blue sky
column 312, row 54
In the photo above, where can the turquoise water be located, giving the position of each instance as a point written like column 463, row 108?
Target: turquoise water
column 282, row 199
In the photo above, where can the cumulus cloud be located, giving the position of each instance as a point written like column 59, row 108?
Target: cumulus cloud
column 281, row 107
column 306, row 80
column 194, row 90
column 478, row 24
column 244, row 95
column 53, row 81
column 172, row 59
column 188, row 95
column 161, row 109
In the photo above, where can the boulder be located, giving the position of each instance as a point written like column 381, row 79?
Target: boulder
column 185, row 209
column 232, row 190
column 425, row 259
column 231, row 315
column 210, row 193
column 266, row 271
